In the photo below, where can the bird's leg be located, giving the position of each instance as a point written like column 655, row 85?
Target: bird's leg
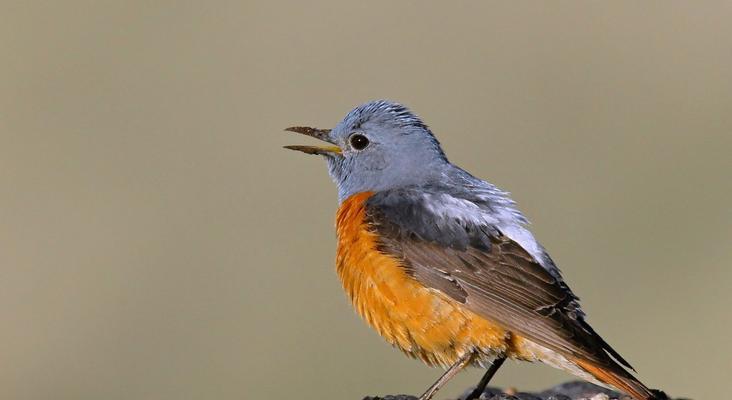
column 454, row 369
column 486, row 378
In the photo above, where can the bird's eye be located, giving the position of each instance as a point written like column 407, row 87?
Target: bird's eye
column 359, row 142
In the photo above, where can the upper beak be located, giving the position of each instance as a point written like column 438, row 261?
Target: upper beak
column 321, row 134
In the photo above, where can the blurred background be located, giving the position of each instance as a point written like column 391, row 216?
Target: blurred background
column 156, row 242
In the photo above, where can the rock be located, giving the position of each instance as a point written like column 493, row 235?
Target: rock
column 580, row 390
column 391, row 397
column 575, row 390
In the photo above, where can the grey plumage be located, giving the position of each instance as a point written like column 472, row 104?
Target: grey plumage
column 390, row 127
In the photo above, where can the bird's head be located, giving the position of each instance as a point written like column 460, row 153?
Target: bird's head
column 379, row 145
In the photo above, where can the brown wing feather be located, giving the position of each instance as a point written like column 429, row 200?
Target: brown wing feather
column 503, row 284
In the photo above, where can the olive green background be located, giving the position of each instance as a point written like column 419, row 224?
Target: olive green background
column 156, row 242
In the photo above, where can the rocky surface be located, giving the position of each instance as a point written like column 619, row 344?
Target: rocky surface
column 575, row 390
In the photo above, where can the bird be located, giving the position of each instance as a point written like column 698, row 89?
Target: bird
column 443, row 265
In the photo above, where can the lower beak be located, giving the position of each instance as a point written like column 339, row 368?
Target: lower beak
column 321, row 134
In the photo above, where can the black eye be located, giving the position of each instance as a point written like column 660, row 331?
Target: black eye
column 359, row 142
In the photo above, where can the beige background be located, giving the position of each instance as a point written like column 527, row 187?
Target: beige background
column 157, row 243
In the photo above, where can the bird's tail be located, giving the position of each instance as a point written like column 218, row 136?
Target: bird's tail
column 620, row 379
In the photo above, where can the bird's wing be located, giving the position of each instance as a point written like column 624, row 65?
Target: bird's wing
column 474, row 263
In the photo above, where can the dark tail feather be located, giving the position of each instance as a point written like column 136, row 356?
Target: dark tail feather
column 606, row 346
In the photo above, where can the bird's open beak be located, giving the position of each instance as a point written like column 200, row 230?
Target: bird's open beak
column 321, row 134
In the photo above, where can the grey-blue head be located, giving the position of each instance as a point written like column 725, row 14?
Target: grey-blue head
column 379, row 145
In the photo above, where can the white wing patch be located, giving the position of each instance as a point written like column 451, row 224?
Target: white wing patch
column 453, row 208
column 502, row 214
column 526, row 239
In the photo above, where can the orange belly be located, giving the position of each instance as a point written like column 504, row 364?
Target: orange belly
column 422, row 322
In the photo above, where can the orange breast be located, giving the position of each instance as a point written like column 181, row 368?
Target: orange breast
column 422, row 322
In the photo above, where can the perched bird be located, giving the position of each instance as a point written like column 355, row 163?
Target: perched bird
column 442, row 264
